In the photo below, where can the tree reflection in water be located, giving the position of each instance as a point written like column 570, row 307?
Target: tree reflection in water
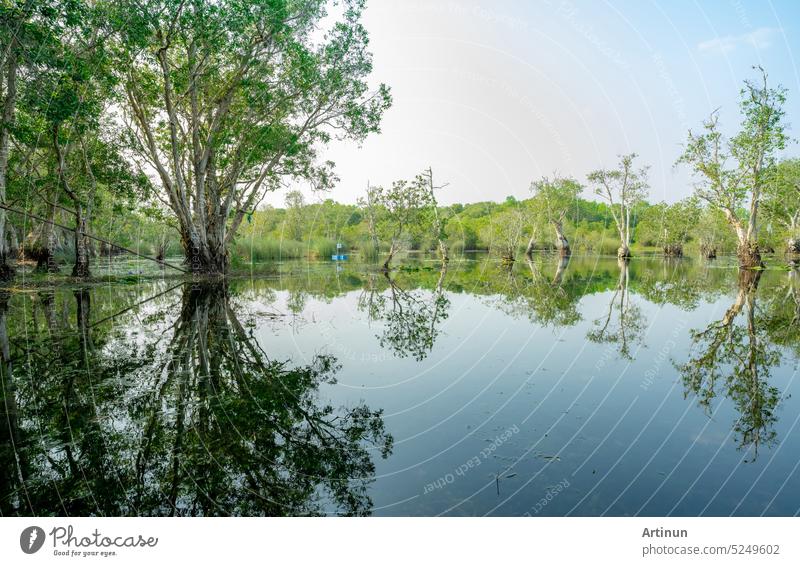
column 174, row 409
column 194, row 421
column 623, row 323
column 534, row 294
column 734, row 357
column 410, row 317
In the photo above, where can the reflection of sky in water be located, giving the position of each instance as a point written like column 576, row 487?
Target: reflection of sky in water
column 627, row 440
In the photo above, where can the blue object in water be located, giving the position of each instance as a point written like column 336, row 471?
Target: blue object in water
column 336, row 257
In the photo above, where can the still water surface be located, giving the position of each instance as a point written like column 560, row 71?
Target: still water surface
column 585, row 387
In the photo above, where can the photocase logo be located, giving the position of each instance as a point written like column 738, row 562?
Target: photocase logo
column 31, row 539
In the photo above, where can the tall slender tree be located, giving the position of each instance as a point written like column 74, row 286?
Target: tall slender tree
column 623, row 188
column 438, row 220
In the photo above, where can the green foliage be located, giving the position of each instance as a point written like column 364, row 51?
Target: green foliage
column 782, row 201
column 734, row 174
column 624, row 188
column 668, row 224
column 554, row 198
column 219, row 102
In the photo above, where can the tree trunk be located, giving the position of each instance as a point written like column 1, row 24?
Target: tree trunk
column 749, row 255
column 203, row 259
column 747, row 249
column 13, row 240
column 793, row 245
column 708, row 251
column 389, row 257
column 81, row 267
column 6, row 118
column 443, row 252
column 624, row 252
column 561, row 241
column 46, row 246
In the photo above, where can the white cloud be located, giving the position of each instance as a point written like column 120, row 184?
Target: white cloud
column 760, row 38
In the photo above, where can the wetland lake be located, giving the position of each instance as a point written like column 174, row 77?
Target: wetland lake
column 560, row 387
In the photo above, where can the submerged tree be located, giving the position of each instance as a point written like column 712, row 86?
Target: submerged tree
column 730, row 172
column 408, row 207
column 226, row 99
column 669, row 225
column 552, row 198
column 369, row 204
column 67, row 156
column 505, row 233
column 438, row 220
column 623, row 188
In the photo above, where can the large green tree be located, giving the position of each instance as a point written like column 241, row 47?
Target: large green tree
column 732, row 171
column 226, row 99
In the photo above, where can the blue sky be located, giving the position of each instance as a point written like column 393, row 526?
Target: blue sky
column 493, row 95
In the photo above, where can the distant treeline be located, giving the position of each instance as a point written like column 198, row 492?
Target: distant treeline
column 313, row 229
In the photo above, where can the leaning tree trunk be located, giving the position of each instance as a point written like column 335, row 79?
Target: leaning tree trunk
column 389, row 257
column 561, row 241
column 81, row 267
column 747, row 249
